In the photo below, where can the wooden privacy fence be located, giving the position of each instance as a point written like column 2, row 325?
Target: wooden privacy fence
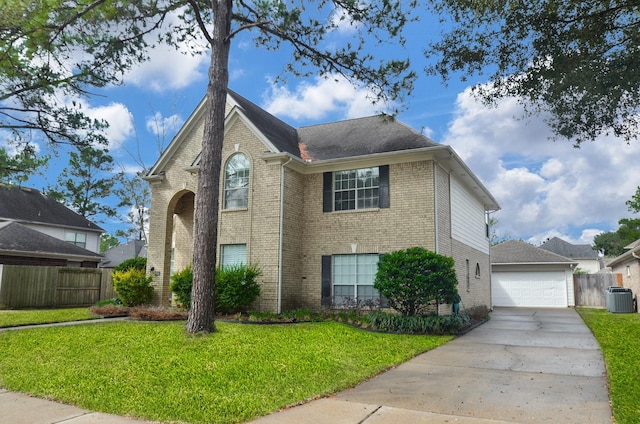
column 590, row 289
column 53, row 287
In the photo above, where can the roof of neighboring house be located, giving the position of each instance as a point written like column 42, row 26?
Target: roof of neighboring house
column 28, row 205
column 19, row 240
column 568, row 250
column 519, row 252
column 632, row 253
column 131, row 249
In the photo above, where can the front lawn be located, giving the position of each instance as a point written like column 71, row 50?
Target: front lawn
column 15, row 318
column 619, row 338
column 159, row 372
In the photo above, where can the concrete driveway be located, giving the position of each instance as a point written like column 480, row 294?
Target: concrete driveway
column 523, row 366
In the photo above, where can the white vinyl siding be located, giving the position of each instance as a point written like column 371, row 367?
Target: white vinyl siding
column 468, row 224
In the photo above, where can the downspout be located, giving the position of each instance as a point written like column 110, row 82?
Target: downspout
column 435, row 206
column 281, row 236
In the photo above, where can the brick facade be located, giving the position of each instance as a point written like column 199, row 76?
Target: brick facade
column 284, row 227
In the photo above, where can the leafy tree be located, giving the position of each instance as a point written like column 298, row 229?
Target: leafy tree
column 20, row 166
column 107, row 241
column 609, row 242
column 414, row 278
column 86, row 181
column 634, row 202
column 53, row 50
column 135, row 195
column 613, row 242
column 578, row 60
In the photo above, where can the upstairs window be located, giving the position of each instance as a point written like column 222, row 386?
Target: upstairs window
column 236, row 182
column 355, row 189
column 79, row 239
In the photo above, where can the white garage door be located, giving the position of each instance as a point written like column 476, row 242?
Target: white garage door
column 529, row 289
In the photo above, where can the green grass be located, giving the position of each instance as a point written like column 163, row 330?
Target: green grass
column 619, row 338
column 14, row 318
column 158, row 372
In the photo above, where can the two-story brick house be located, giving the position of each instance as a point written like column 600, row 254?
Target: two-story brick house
column 315, row 206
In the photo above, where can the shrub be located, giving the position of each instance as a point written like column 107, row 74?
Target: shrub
column 180, row 285
column 135, row 263
column 236, row 288
column 412, row 279
column 133, row 286
column 433, row 324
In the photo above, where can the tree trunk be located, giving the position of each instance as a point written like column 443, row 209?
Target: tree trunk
column 201, row 315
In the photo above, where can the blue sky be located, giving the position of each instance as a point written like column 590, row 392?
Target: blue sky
column 545, row 188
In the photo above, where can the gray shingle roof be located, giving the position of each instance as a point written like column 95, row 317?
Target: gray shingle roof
column 23, row 204
column 16, row 238
column 515, row 251
column 566, row 249
column 132, row 249
column 359, row 137
column 354, row 137
column 279, row 133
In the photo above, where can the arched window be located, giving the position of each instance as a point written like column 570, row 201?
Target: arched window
column 236, row 182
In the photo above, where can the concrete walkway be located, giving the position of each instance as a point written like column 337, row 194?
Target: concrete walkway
column 523, row 366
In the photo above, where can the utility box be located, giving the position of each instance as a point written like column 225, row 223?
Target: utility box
column 619, row 300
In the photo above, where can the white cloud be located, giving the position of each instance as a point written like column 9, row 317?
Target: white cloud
column 317, row 100
column 120, row 122
column 545, row 188
column 170, row 67
column 163, row 125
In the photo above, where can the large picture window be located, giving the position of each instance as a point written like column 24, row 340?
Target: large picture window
column 353, row 277
column 236, row 182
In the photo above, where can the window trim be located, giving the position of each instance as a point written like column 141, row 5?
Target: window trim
column 234, row 245
column 328, row 197
column 329, row 281
column 226, row 191
column 75, row 241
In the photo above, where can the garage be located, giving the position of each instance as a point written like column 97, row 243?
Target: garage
column 529, row 289
column 523, row 275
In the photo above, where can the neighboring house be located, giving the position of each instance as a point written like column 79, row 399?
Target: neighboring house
column 587, row 258
column 528, row 276
column 35, row 210
column 116, row 255
column 315, row 206
column 21, row 245
column 628, row 265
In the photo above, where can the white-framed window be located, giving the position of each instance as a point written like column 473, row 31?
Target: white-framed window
column 353, row 277
column 79, row 239
column 236, row 182
column 356, row 189
column 233, row 254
